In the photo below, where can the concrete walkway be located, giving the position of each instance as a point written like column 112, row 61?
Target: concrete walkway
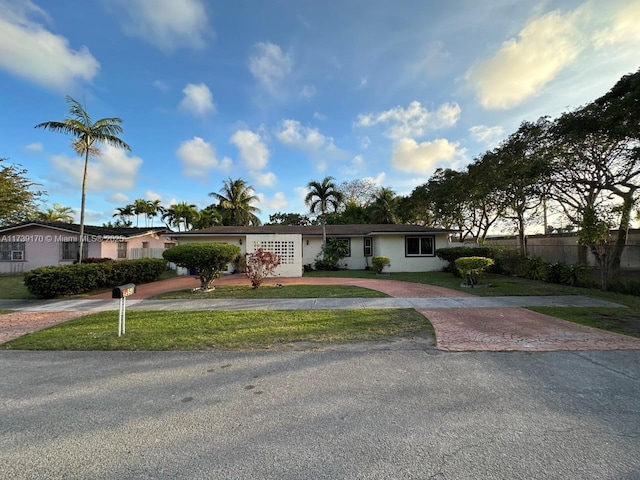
column 462, row 322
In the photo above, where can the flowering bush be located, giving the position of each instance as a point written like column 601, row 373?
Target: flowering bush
column 260, row 265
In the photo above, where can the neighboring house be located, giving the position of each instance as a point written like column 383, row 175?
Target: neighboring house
column 411, row 248
column 29, row 245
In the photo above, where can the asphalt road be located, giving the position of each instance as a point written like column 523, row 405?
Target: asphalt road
column 398, row 411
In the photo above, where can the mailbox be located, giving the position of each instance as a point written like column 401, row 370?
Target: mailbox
column 123, row 291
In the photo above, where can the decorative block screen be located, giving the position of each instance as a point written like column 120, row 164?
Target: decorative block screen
column 284, row 248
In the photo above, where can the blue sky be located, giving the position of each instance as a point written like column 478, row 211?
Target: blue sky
column 282, row 92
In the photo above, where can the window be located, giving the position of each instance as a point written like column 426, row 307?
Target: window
column 70, row 250
column 419, row 246
column 11, row 251
column 368, row 246
column 122, row 249
column 346, row 241
column 145, row 244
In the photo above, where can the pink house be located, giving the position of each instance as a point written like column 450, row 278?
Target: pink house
column 29, row 245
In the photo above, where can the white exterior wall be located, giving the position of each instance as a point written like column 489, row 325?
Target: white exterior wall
column 287, row 246
column 393, row 247
column 311, row 250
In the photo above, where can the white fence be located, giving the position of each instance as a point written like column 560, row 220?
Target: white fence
column 137, row 253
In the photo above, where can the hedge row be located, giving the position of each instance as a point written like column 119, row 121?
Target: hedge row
column 54, row 282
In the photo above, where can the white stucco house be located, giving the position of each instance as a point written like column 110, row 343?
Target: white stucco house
column 29, row 245
column 411, row 248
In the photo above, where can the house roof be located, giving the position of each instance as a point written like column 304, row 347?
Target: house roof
column 128, row 232
column 313, row 230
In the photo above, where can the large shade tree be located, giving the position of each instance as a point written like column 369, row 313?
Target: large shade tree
column 18, row 194
column 87, row 137
column 384, row 208
column 235, row 202
column 320, row 197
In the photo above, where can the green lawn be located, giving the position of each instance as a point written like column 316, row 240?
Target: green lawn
column 269, row 291
column 12, row 287
column 225, row 330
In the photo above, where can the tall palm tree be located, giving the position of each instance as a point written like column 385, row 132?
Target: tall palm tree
column 154, row 209
column 87, row 138
column 56, row 214
column 384, row 207
column 235, row 200
column 141, row 207
column 179, row 214
column 321, row 196
column 124, row 214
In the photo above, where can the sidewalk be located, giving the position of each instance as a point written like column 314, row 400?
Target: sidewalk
column 462, row 322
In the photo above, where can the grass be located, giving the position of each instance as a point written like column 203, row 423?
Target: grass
column 225, row 330
column 12, row 288
column 268, row 291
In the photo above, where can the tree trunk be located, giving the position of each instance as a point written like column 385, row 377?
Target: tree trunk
column 82, row 204
column 621, row 238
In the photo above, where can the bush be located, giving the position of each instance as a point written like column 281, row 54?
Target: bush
column 60, row 281
column 260, row 265
column 379, row 263
column 472, row 267
column 207, row 259
column 508, row 261
column 325, row 265
column 96, row 260
column 451, row 254
column 629, row 287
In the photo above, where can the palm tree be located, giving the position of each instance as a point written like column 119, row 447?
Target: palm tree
column 124, row 214
column 153, row 209
column 384, row 206
column 87, row 137
column 321, row 196
column 180, row 213
column 56, row 214
column 235, row 200
column 140, row 207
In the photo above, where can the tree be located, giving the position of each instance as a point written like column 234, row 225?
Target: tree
column 235, row 199
column 56, row 214
column 141, row 207
column 154, row 208
column 17, row 194
column 595, row 233
column 180, row 214
column 358, row 191
column 384, row 206
column 124, row 215
column 260, row 265
column 289, row 219
column 87, row 138
column 320, row 197
column 448, row 194
column 208, row 260
column 207, row 217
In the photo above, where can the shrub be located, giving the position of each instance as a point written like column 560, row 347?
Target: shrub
column 508, row 261
column 207, row 259
column 325, row 265
column 535, row 268
column 471, row 267
column 59, row 281
column 379, row 263
column 451, row 254
column 260, row 265
column 96, row 260
column 629, row 287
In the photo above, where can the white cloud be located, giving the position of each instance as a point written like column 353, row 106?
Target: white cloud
column 293, row 134
column 253, row 151
column 489, row 136
column 275, row 203
column 112, row 170
column 160, row 85
column 357, row 164
column 410, row 156
column 118, row 198
column 377, row 180
column 198, row 157
column 34, row 147
column 308, row 91
column 166, row 24
column 270, row 66
column 264, row 179
column 151, row 195
column 523, row 66
column 198, row 99
column 30, row 51
column 319, row 116
column 414, row 121
column 625, row 27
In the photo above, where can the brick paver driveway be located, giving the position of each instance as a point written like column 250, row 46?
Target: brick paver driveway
column 457, row 329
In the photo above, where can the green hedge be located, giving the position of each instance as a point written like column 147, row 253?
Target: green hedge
column 451, row 254
column 55, row 282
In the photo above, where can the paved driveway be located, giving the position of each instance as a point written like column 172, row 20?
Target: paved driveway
column 462, row 322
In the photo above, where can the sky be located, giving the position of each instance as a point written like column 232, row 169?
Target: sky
column 283, row 92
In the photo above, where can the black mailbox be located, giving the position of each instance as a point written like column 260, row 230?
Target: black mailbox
column 123, row 290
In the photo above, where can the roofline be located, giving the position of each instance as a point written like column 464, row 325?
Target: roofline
column 61, row 229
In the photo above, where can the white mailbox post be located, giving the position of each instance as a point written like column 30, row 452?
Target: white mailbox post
column 122, row 292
